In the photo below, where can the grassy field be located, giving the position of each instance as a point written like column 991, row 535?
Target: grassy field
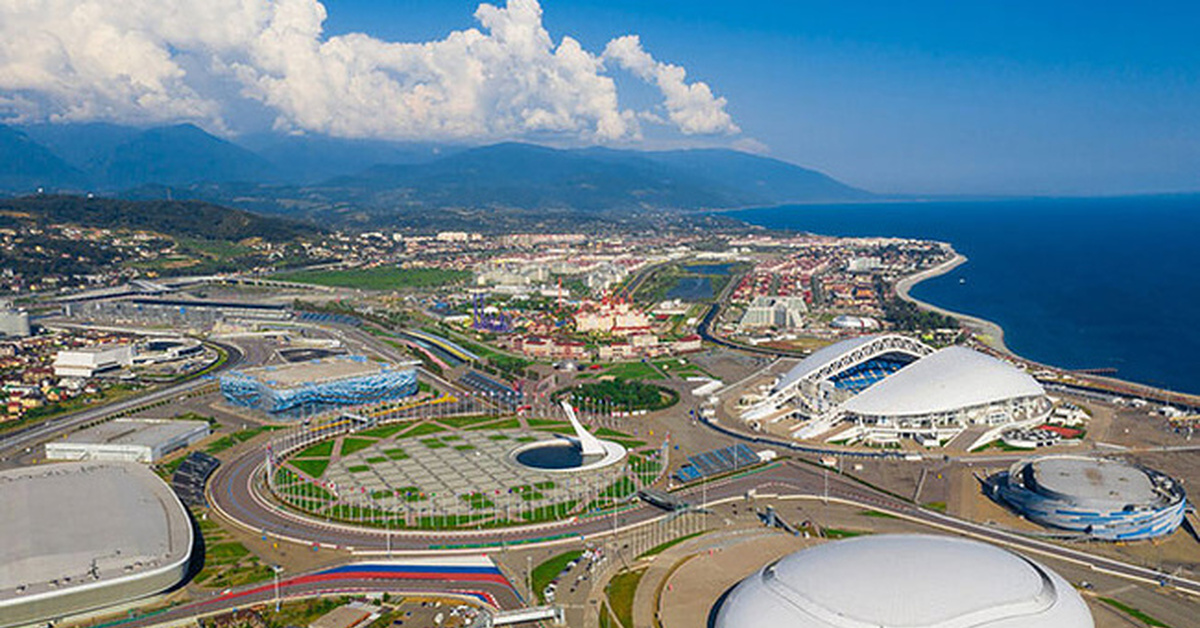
column 378, row 278
column 662, row 547
column 1133, row 612
column 549, row 570
column 235, row 438
column 620, row 594
column 227, row 563
column 634, row 371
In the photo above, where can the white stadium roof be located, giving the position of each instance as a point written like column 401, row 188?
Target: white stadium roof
column 822, row 357
column 915, row 581
column 948, row 380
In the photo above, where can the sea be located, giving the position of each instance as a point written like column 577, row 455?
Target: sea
column 1075, row 283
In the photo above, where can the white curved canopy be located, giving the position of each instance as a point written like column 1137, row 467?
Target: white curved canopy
column 949, row 380
column 910, row 581
column 825, row 357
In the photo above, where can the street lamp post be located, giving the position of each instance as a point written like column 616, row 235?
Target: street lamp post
column 276, row 569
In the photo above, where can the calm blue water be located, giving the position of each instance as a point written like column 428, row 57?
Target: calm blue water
column 1078, row 283
column 691, row 289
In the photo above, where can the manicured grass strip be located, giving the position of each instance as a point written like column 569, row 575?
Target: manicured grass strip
column 433, row 443
column 385, row 431
column 323, row 449
column 314, row 467
column 877, row 514
column 225, row 552
column 464, row 447
column 549, row 570
column 634, row 371
column 464, row 421
column 836, row 533
column 605, row 432
column 396, row 454
column 234, row 438
column 358, row 468
column 620, row 594
column 377, row 459
column 1133, row 612
column 661, row 547
column 547, row 423
column 351, row 445
column 422, row 429
column 505, row 424
column 479, row 501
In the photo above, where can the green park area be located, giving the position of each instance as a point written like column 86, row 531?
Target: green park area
column 622, row 394
column 313, row 479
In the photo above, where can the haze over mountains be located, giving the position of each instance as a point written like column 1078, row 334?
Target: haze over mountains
column 368, row 181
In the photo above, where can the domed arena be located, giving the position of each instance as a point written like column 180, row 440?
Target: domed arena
column 914, row 581
column 1105, row 499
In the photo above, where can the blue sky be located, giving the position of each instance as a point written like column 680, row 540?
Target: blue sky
column 963, row 97
column 921, row 97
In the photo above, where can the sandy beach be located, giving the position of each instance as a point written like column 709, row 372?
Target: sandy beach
column 986, row 331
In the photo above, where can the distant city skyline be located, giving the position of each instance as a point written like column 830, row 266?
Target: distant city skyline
column 1009, row 98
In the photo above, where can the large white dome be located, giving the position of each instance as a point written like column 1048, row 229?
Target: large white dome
column 909, row 581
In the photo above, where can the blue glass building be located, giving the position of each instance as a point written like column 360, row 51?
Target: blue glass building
column 319, row 384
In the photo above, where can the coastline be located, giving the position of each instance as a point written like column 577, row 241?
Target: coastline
column 986, row 331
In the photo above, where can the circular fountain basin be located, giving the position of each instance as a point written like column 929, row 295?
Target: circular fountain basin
column 564, row 456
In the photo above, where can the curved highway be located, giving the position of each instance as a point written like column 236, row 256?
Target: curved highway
column 233, row 495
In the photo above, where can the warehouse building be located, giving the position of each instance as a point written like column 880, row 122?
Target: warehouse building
column 87, row 362
column 129, row 440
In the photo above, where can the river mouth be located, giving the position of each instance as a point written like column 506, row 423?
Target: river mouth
column 554, row 457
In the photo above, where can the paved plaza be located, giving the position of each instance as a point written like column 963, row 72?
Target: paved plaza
column 453, row 472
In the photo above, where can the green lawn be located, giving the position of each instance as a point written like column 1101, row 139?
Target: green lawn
column 234, row 438
column 465, row 421
column 621, row 590
column 323, row 449
column 661, row 547
column 505, row 424
column 358, row 468
column 351, row 445
column 422, row 429
column 385, row 431
column 549, row 570
column 634, row 371
column 378, row 278
column 1134, row 613
column 396, row 453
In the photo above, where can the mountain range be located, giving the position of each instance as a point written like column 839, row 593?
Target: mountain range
column 367, row 181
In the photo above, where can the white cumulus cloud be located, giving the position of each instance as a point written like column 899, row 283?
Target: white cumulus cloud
column 150, row 61
column 691, row 106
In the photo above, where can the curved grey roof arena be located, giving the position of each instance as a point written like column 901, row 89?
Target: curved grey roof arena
column 914, row 581
column 84, row 527
column 951, row 379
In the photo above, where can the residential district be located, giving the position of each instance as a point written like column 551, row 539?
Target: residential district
column 725, row 428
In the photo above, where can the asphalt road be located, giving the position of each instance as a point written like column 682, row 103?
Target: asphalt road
column 494, row 590
column 232, row 493
column 13, row 444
